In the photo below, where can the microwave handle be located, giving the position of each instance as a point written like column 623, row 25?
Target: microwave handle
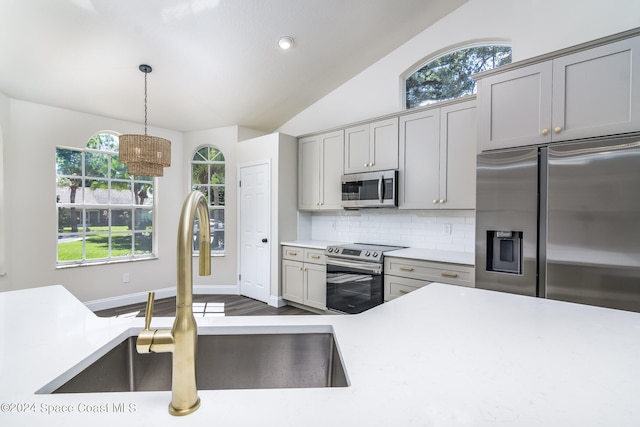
column 381, row 188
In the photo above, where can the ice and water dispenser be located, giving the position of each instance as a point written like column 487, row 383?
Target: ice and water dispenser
column 504, row 251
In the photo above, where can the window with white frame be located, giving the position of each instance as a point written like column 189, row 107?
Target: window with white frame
column 208, row 176
column 104, row 214
column 449, row 76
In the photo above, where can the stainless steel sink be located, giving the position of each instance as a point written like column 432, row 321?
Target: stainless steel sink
column 229, row 361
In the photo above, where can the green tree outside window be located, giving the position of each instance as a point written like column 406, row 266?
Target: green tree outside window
column 449, row 76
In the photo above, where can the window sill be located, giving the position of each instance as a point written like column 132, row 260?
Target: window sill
column 104, row 262
column 213, row 255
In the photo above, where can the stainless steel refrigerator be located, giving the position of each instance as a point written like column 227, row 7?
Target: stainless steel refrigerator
column 562, row 222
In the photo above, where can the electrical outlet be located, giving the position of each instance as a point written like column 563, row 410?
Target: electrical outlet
column 125, row 277
column 447, row 229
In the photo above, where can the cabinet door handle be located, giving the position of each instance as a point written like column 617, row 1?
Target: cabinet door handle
column 315, row 256
column 452, row 275
column 402, row 291
column 557, row 129
column 545, row 132
column 292, row 253
column 301, row 269
column 406, row 268
column 365, row 165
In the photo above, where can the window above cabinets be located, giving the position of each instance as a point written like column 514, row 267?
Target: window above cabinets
column 449, row 76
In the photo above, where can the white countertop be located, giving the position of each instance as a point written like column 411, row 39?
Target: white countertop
column 312, row 244
column 440, row 356
column 434, row 255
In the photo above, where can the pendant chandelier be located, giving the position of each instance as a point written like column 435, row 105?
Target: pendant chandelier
column 145, row 155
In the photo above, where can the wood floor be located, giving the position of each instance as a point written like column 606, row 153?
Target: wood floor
column 233, row 305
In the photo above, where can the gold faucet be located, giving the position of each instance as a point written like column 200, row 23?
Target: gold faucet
column 182, row 339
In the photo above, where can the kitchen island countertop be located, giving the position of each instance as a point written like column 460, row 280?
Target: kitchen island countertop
column 440, row 356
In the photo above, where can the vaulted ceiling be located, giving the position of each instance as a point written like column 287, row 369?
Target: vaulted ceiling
column 215, row 62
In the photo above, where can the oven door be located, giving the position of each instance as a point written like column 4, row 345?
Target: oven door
column 353, row 286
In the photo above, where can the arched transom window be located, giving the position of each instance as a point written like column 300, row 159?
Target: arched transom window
column 449, row 76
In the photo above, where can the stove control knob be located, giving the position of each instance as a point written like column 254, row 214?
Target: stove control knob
column 330, row 250
column 375, row 254
column 367, row 253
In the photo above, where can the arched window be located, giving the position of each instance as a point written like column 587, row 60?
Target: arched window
column 449, row 76
column 104, row 214
column 208, row 176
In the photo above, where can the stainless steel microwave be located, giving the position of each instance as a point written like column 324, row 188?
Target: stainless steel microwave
column 370, row 190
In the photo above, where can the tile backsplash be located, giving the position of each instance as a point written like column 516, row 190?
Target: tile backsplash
column 445, row 230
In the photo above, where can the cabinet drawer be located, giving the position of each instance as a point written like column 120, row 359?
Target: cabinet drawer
column 395, row 287
column 315, row 256
column 293, row 253
column 453, row 274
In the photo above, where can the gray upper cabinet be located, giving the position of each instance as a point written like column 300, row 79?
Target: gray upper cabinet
column 371, row 147
column 597, row 92
column 419, row 174
column 590, row 92
column 320, row 160
column 515, row 107
column 438, row 158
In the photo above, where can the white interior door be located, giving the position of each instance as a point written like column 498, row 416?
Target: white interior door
column 254, row 214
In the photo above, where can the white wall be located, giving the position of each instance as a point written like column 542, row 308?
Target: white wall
column 281, row 151
column 533, row 27
column 223, row 268
column 5, row 103
column 30, row 186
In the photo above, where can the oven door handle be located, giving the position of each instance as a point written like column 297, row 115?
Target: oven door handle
column 368, row 267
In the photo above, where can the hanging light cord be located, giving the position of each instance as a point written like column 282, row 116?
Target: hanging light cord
column 145, row 103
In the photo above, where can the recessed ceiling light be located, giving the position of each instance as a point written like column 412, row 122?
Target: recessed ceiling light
column 285, row 42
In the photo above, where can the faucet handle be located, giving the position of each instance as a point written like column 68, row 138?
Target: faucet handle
column 148, row 314
column 145, row 338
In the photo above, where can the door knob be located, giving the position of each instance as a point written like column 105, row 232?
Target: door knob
column 264, row 240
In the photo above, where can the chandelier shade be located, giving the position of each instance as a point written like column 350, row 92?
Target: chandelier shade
column 144, row 155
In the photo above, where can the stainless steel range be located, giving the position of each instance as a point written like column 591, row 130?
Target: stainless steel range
column 355, row 276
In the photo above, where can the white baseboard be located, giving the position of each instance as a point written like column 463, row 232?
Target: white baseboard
column 276, row 301
column 120, row 300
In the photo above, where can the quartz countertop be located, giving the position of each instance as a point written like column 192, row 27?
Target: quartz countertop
column 435, row 255
column 311, row 244
column 440, row 356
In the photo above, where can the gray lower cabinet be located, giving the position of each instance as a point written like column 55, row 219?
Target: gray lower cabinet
column 304, row 276
column 404, row 275
column 591, row 92
column 438, row 157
